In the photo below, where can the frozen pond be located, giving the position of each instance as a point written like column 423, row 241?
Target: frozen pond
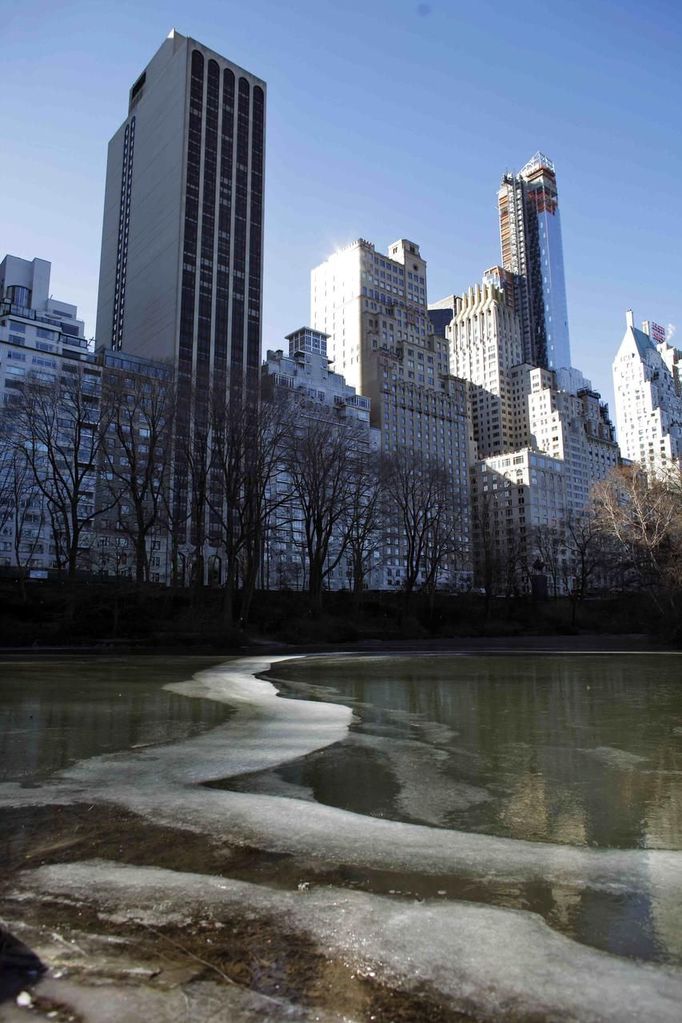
column 583, row 750
column 55, row 713
column 493, row 837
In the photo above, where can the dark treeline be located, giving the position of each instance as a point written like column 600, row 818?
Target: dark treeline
column 118, row 614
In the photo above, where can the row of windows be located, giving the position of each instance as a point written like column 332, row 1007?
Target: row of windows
column 123, row 233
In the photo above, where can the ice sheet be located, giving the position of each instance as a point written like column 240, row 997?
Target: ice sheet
column 162, row 784
column 499, row 964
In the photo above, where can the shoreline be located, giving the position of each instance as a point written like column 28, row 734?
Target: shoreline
column 592, row 643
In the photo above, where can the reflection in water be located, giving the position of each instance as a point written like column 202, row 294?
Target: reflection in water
column 55, row 713
column 575, row 750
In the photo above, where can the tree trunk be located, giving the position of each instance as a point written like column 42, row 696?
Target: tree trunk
column 252, row 567
column 140, row 560
column 315, row 584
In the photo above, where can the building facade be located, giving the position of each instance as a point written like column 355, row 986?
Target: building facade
column 374, row 309
column 182, row 240
column 647, row 380
column 574, row 429
column 95, row 428
column 303, row 380
column 532, row 251
column 543, row 485
column 486, row 351
column 541, row 438
column 42, row 345
column 513, row 496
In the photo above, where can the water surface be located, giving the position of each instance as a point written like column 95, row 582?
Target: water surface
column 54, row 712
column 573, row 749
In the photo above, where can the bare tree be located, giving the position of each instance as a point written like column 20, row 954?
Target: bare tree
column 644, row 516
column 8, row 448
column 320, row 460
column 515, row 562
column 231, row 440
column 187, row 509
column 548, row 544
column 419, row 499
column 586, row 550
column 22, row 513
column 139, row 408
column 363, row 520
column 28, row 516
column 62, row 430
column 488, row 553
column 174, row 513
column 501, row 548
column 263, row 502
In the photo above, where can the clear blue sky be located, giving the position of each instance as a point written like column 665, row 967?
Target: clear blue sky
column 385, row 120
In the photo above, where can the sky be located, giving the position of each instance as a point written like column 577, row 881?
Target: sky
column 386, row 119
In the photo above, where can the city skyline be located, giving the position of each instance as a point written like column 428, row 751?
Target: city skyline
column 326, row 184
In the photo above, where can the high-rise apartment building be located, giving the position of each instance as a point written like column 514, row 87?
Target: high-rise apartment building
column 182, row 241
column 371, row 305
column 575, row 429
column 541, row 437
column 530, row 236
column 647, row 380
column 486, row 351
column 538, row 487
column 26, row 299
column 374, row 309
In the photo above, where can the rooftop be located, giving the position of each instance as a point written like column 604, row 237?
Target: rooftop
column 537, row 162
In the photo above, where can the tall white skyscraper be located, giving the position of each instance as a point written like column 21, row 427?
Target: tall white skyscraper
column 182, row 240
column 647, row 380
column 530, row 237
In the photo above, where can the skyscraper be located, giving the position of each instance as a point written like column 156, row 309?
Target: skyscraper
column 530, row 236
column 182, row 240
